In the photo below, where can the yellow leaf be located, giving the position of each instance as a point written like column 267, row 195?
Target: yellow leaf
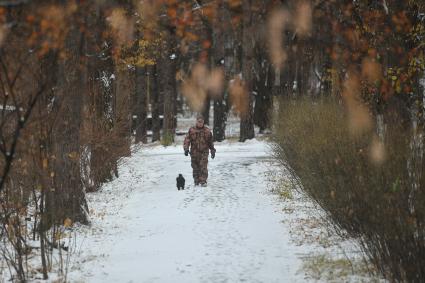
column 73, row 155
column 45, row 163
column 58, row 236
column 67, row 223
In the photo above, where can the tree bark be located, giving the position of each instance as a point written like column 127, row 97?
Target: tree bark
column 124, row 91
column 263, row 99
column 219, row 120
column 206, row 111
column 68, row 199
column 98, row 122
column 247, row 121
column 221, row 51
column 167, row 74
column 141, row 104
column 155, row 105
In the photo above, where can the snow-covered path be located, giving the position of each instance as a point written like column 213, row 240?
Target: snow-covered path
column 230, row 231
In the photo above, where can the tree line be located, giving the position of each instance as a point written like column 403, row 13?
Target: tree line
column 350, row 124
column 80, row 79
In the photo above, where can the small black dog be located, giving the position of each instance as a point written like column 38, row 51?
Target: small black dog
column 180, row 182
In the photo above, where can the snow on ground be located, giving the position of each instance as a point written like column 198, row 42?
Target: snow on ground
column 233, row 230
column 229, row 231
column 247, row 225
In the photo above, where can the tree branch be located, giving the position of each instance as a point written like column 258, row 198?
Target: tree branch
column 21, row 124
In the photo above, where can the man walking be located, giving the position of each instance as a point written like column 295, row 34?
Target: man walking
column 199, row 141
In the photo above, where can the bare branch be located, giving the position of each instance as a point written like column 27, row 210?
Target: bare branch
column 20, row 126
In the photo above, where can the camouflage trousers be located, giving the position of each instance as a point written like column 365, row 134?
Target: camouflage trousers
column 200, row 167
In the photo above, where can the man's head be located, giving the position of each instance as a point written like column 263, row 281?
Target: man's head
column 199, row 122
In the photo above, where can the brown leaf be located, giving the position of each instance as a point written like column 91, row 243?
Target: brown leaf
column 377, row 151
column 67, row 223
column 45, row 163
column 371, row 70
column 276, row 26
column 303, row 18
column 239, row 96
column 359, row 117
column 73, row 155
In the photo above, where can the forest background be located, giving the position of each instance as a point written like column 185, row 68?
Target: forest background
column 339, row 83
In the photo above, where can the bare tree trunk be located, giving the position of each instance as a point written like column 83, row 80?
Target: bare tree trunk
column 155, row 105
column 97, row 112
column 263, row 99
column 141, row 104
column 219, row 120
column 124, row 91
column 42, row 235
column 221, row 35
column 247, row 121
column 225, row 56
column 167, row 73
column 68, row 195
column 206, row 111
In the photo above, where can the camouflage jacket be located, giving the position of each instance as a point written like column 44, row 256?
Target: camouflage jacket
column 199, row 141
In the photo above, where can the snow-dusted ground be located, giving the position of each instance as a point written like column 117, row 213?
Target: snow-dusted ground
column 234, row 230
column 230, row 231
column 247, row 225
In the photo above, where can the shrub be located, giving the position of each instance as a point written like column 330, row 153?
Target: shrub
column 379, row 200
column 167, row 139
